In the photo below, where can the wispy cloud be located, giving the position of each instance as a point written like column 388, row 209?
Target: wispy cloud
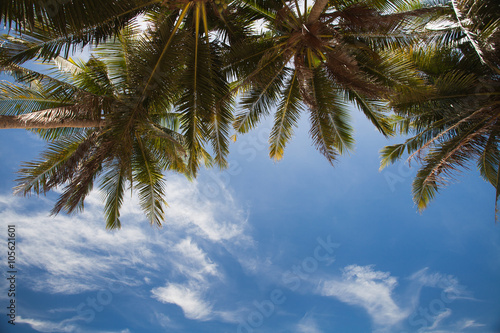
column 210, row 218
column 372, row 290
column 165, row 321
column 469, row 323
column 75, row 254
column 439, row 318
column 308, row 324
column 448, row 283
column 188, row 296
column 193, row 261
column 64, row 326
column 67, row 251
column 375, row 291
column 48, row 326
column 195, row 267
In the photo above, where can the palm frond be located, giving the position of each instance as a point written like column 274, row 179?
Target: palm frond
column 442, row 161
column 259, row 100
column 330, row 129
column 82, row 181
column 56, row 165
column 375, row 110
column 17, row 99
column 286, row 117
column 114, row 183
column 149, row 183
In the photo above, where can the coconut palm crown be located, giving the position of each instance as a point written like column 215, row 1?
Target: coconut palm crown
column 127, row 133
column 323, row 58
column 457, row 122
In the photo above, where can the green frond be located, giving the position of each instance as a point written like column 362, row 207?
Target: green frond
column 261, row 97
column 490, row 158
column 394, row 71
column 285, row 118
column 55, row 166
column 93, row 77
column 446, row 158
column 158, row 131
column 17, row 99
column 148, row 180
column 375, row 110
column 260, row 8
column 82, row 20
column 196, row 102
column 219, row 131
column 165, row 35
column 115, row 55
column 329, row 101
column 32, row 44
column 113, row 184
column 330, row 129
column 391, row 154
column 169, row 155
column 83, row 175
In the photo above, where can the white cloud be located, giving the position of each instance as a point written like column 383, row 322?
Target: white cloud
column 369, row 289
column 469, row 323
column 64, row 326
column 74, row 254
column 448, row 283
column 464, row 325
column 439, row 318
column 308, row 324
column 188, row 296
column 196, row 267
column 375, row 292
column 47, row 326
column 165, row 321
column 194, row 262
column 210, row 217
column 436, row 315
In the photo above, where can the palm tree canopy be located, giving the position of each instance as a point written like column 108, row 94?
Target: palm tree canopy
column 457, row 121
column 158, row 97
column 136, row 141
column 348, row 52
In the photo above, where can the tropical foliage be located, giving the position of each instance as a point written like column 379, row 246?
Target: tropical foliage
column 138, row 88
column 135, row 141
column 458, row 120
column 324, row 60
column 164, row 84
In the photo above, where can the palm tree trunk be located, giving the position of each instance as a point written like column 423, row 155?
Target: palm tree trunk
column 21, row 121
column 316, row 10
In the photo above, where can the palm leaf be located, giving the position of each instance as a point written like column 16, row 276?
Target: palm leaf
column 149, row 183
column 286, row 118
column 113, row 184
column 330, row 129
column 265, row 93
column 441, row 161
column 55, row 166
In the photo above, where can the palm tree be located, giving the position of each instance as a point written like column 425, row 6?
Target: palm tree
column 190, row 63
column 199, row 29
column 458, row 121
column 126, row 133
column 325, row 57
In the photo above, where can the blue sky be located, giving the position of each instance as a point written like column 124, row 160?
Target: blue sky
column 296, row 246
